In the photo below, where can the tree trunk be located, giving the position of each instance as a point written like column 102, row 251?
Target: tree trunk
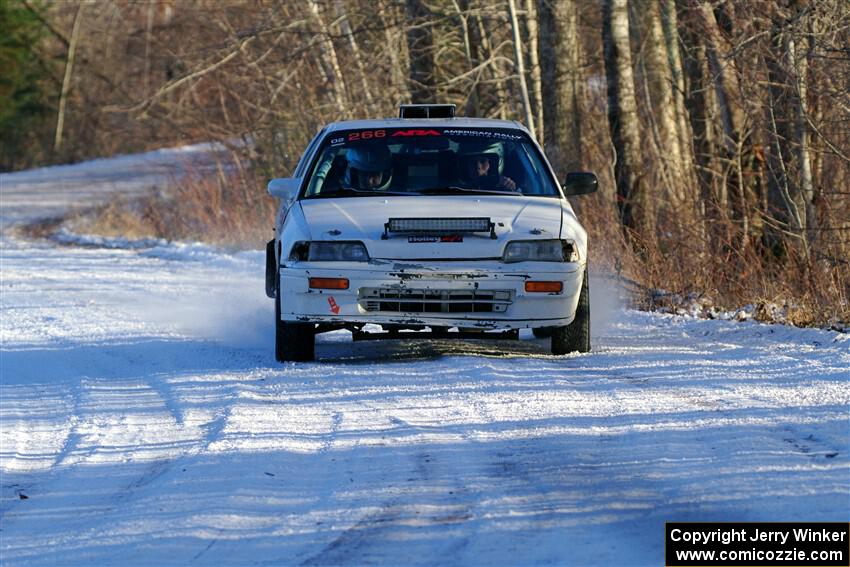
column 471, row 45
column 671, row 38
column 66, row 81
column 633, row 204
column 520, row 68
column 799, row 60
column 534, row 64
column 659, row 77
column 148, row 34
column 498, row 78
column 700, row 100
column 725, row 79
column 737, row 144
column 791, row 188
column 333, row 73
column 345, row 27
column 420, row 47
column 560, row 50
column 396, row 49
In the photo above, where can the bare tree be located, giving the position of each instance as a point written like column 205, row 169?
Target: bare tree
column 354, row 48
column 663, row 118
column 707, row 146
column 534, row 67
column 735, row 142
column 472, row 50
column 330, row 62
column 791, row 187
column 69, row 72
column 420, row 45
column 562, row 80
column 395, row 50
column 490, row 54
column 520, row 68
column 636, row 212
column 670, row 25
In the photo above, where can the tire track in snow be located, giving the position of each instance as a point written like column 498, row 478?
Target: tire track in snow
column 336, row 424
column 355, row 546
column 105, row 433
column 361, row 543
column 213, row 429
column 169, row 399
column 72, row 440
column 204, row 551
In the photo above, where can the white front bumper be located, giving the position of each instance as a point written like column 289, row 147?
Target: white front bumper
column 403, row 279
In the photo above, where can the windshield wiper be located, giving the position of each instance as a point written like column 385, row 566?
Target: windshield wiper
column 352, row 192
column 453, row 189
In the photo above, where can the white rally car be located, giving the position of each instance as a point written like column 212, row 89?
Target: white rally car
column 429, row 223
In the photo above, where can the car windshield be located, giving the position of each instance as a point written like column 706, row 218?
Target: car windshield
column 419, row 161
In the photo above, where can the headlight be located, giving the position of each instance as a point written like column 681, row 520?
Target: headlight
column 319, row 251
column 540, row 251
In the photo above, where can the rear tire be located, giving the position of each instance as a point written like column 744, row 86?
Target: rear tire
column 575, row 337
column 293, row 341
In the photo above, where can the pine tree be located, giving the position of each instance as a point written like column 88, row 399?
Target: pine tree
column 23, row 101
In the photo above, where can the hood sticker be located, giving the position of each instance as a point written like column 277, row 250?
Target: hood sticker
column 445, row 238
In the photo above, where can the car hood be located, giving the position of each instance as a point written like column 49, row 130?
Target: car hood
column 363, row 218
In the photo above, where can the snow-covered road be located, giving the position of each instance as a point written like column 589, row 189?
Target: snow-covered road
column 144, row 421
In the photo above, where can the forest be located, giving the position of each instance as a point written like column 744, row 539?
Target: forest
column 719, row 129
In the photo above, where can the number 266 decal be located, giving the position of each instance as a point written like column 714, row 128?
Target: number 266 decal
column 367, row 135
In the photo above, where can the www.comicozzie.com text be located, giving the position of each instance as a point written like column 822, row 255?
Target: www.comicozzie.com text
column 726, row 537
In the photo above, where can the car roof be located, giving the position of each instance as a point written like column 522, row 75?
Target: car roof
column 462, row 122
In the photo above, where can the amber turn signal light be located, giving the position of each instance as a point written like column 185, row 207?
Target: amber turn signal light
column 544, row 287
column 329, row 283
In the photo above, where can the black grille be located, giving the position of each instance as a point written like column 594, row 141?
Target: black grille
column 434, row 300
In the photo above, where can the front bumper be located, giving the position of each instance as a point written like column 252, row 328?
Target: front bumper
column 464, row 294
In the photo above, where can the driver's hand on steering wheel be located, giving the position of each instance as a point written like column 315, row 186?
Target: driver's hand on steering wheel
column 507, row 183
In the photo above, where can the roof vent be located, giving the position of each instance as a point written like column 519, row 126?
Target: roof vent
column 426, row 111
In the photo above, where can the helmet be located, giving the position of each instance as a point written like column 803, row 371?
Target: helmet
column 367, row 162
column 472, row 151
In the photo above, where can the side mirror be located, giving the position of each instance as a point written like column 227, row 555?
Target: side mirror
column 580, row 183
column 285, row 188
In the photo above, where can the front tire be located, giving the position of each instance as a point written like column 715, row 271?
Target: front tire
column 575, row 337
column 271, row 268
column 292, row 341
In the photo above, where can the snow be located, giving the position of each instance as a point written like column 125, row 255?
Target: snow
column 143, row 417
column 51, row 191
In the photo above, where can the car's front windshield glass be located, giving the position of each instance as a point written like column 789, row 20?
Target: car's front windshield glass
column 417, row 161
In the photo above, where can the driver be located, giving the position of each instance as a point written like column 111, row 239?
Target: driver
column 370, row 167
column 481, row 164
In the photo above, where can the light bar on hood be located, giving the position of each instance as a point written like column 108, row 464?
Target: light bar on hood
column 457, row 225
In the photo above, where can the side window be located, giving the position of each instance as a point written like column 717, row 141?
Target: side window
column 532, row 175
column 515, row 168
column 328, row 171
column 308, row 153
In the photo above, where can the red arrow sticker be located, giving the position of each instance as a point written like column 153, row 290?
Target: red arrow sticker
column 334, row 307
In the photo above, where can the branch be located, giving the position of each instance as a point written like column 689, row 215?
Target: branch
column 146, row 104
column 56, row 33
column 826, row 140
